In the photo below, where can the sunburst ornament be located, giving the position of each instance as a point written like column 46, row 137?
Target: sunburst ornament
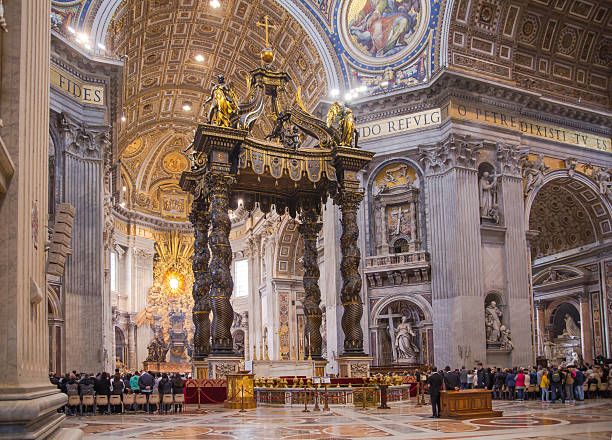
column 173, row 268
column 174, row 283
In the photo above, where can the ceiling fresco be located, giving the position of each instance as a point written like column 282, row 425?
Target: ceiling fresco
column 375, row 45
column 173, row 50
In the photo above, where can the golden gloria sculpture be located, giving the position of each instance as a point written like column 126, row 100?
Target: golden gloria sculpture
column 224, row 108
column 346, row 124
column 166, row 299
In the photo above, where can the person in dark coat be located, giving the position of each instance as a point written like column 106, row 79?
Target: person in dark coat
column 164, row 387
column 118, row 387
column 482, row 377
column 435, row 385
column 102, row 387
column 452, row 381
column 178, row 385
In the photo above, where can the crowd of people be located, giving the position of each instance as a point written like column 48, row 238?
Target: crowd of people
column 103, row 384
column 565, row 383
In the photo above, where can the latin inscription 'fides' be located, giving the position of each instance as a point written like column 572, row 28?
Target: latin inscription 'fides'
column 81, row 91
column 466, row 112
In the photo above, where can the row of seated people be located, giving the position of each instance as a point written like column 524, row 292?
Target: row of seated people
column 115, row 403
column 139, row 391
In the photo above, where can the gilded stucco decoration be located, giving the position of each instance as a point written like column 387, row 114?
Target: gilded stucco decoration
column 567, row 214
column 169, row 300
column 151, row 166
column 559, row 48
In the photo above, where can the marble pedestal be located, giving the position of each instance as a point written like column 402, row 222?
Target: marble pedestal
column 220, row 366
column 28, row 414
column 199, row 369
column 280, row 368
column 354, row 366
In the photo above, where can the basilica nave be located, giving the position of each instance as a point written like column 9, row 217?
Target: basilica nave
column 303, row 189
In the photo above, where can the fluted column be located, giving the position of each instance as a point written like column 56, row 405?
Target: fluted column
column 200, row 218
column 349, row 269
column 454, row 234
column 586, row 326
column 222, row 284
column 310, row 228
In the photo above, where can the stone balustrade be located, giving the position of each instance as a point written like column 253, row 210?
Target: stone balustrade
column 397, row 269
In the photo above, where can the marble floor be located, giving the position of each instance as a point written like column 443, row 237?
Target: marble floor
column 526, row 420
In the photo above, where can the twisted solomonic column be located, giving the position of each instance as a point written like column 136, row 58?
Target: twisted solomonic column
column 200, row 218
column 349, row 269
column 310, row 228
column 222, row 284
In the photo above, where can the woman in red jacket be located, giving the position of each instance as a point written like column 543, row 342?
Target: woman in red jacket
column 520, row 385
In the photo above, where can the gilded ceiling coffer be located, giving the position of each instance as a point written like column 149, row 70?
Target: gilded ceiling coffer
column 296, row 168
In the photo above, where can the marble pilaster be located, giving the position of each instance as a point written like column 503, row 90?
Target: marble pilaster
column 454, row 235
column 28, row 402
column 586, row 328
column 516, row 264
column 540, row 307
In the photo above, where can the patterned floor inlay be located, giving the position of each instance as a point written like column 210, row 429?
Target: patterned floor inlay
column 525, row 420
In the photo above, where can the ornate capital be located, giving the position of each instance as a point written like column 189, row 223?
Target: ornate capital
column 142, row 255
column 540, row 305
column 82, row 140
column 348, row 200
column 453, row 152
column 584, row 297
column 509, row 158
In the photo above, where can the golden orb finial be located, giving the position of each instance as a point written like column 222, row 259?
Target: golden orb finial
column 267, row 54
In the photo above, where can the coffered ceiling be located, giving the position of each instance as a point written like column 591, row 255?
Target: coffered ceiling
column 560, row 48
column 166, row 84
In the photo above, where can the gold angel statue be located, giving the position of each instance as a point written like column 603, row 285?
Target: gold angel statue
column 346, row 124
column 224, row 108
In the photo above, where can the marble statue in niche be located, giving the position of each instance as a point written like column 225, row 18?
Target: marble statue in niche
column 571, row 329
column 493, row 322
column 488, row 195
column 505, row 338
column 400, row 334
column 406, row 349
column 498, row 336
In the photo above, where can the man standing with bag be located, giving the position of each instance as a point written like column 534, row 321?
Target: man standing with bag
column 556, row 384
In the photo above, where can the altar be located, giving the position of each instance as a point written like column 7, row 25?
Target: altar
column 280, row 368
